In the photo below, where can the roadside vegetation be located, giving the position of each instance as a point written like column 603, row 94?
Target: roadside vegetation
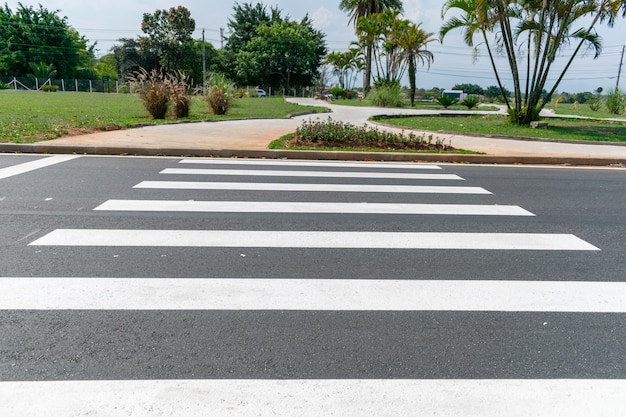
column 27, row 117
column 499, row 126
column 334, row 135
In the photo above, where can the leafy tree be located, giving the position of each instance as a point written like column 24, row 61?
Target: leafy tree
column 366, row 8
column 284, row 54
column 169, row 35
column 36, row 35
column 544, row 27
column 130, row 56
column 105, row 66
column 495, row 92
column 470, row 88
column 246, row 20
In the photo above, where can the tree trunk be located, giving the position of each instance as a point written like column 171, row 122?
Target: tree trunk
column 368, row 70
column 412, row 71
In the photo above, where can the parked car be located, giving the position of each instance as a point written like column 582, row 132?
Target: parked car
column 260, row 92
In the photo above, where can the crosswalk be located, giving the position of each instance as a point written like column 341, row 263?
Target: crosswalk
column 344, row 395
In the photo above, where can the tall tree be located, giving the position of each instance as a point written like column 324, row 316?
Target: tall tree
column 245, row 21
column 472, row 20
column 286, row 54
column 36, row 36
column 412, row 41
column 130, row 56
column 366, row 8
column 169, row 35
column 547, row 26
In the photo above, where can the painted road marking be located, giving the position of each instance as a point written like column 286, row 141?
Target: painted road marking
column 341, row 188
column 34, row 165
column 316, row 239
column 311, row 174
column 309, row 294
column 314, row 398
column 311, row 207
column 325, row 164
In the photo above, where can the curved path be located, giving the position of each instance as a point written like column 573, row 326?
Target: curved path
column 255, row 135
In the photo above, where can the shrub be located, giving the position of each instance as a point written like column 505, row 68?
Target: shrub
column 446, row 101
column 4, row 86
column 594, row 105
column 219, row 93
column 154, row 91
column 471, row 101
column 339, row 134
column 179, row 93
column 534, row 116
column 50, row 88
column 615, row 102
column 387, row 95
column 218, row 101
column 338, row 92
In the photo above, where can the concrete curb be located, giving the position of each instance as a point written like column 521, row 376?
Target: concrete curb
column 43, row 148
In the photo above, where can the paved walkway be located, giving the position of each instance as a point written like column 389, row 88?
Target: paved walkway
column 248, row 138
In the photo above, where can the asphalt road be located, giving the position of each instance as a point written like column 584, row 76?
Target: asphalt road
column 64, row 343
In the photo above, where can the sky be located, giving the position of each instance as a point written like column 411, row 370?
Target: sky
column 454, row 63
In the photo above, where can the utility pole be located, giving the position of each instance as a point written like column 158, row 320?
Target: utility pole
column 619, row 72
column 222, row 37
column 203, row 65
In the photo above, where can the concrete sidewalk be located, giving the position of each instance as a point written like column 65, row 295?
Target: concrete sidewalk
column 250, row 138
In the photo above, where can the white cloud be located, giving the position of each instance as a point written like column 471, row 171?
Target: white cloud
column 324, row 18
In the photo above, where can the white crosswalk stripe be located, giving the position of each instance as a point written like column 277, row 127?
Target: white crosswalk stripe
column 314, row 398
column 322, row 164
column 310, row 174
column 51, row 293
column 311, row 207
column 338, row 188
column 33, row 165
column 312, row 239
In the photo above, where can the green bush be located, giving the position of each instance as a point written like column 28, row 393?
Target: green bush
column 615, row 102
column 471, row 101
column 345, row 135
column 4, row 86
column 446, row 101
column 387, row 95
column 50, row 88
column 534, row 116
column 338, row 92
column 594, row 105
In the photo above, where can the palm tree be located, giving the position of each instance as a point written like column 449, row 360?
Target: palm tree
column 412, row 41
column 474, row 18
column 548, row 26
column 366, row 8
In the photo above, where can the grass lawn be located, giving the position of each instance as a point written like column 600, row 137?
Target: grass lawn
column 496, row 125
column 27, row 117
column 582, row 110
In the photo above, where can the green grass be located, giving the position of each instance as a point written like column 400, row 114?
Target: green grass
column 495, row 125
column 27, row 117
column 419, row 104
column 582, row 110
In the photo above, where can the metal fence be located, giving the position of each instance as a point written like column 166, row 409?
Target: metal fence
column 73, row 85
column 99, row 86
